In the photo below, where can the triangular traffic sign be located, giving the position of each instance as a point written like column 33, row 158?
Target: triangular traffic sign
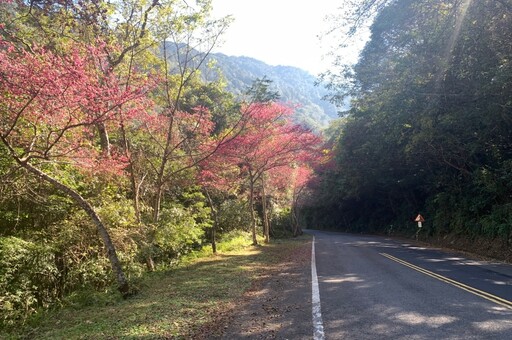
column 419, row 218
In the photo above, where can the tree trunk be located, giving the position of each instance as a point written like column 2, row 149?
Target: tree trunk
column 133, row 178
column 269, row 222
column 62, row 270
column 136, row 185
column 150, row 264
column 122, row 283
column 136, row 198
column 156, row 217
column 266, row 226
column 104, row 140
column 293, row 220
column 214, row 241
column 253, row 216
column 157, row 202
column 298, row 228
column 215, row 216
column 135, row 188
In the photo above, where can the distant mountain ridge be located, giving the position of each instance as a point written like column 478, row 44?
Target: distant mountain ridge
column 294, row 85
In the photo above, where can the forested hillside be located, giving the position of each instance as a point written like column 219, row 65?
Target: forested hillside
column 430, row 127
column 295, row 86
column 117, row 157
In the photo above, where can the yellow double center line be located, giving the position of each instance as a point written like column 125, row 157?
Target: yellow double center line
column 485, row 295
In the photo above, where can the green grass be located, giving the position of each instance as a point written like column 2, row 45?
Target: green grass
column 170, row 304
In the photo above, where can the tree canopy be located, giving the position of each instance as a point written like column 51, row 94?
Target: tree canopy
column 429, row 126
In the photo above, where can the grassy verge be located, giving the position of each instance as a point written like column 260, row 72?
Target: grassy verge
column 172, row 304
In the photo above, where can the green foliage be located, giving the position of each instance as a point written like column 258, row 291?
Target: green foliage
column 281, row 223
column 89, row 297
column 182, row 227
column 235, row 240
column 497, row 223
column 61, row 257
column 234, row 215
column 429, row 129
column 84, row 259
column 178, row 231
column 172, row 303
column 261, row 91
column 28, row 278
column 291, row 84
column 213, row 95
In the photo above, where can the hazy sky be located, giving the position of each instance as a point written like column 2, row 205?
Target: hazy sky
column 277, row 32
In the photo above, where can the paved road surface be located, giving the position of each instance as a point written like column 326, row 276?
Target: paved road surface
column 378, row 288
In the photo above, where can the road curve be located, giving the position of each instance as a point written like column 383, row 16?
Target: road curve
column 380, row 288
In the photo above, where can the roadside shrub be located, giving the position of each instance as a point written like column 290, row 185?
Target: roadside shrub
column 236, row 240
column 281, row 223
column 28, row 279
column 180, row 230
column 234, row 215
column 498, row 222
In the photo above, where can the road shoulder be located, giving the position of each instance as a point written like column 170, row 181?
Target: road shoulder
column 278, row 305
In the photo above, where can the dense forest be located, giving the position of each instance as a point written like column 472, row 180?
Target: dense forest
column 429, row 129
column 117, row 157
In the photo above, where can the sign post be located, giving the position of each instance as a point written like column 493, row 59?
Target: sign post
column 419, row 219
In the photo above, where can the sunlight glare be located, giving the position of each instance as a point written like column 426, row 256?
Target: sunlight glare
column 413, row 318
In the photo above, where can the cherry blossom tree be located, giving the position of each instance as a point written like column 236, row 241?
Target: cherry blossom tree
column 50, row 106
column 220, row 179
column 269, row 141
column 302, row 175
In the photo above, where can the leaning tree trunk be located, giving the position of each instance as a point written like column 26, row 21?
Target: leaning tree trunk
column 122, row 283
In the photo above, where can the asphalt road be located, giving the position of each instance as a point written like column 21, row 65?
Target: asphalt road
column 379, row 288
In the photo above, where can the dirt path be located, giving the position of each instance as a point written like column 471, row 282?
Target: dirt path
column 277, row 307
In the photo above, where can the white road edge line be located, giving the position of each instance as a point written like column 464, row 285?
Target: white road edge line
column 318, row 326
